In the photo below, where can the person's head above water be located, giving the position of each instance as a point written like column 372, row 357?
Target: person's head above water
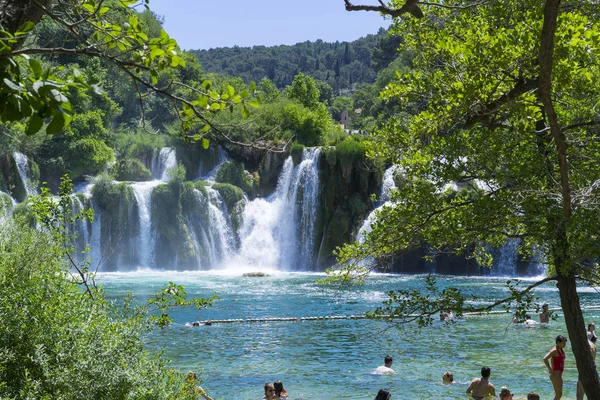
column 505, row 394
column 278, row 386
column 485, row 372
column 383, row 394
column 447, row 377
column 388, row 361
column 533, row 396
column 269, row 390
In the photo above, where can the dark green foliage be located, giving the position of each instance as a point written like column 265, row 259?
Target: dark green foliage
column 230, row 193
column 340, row 65
column 131, row 170
column 352, row 150
column 234, row 173
column 58, row 343
column 296, row 152
column 139, row 145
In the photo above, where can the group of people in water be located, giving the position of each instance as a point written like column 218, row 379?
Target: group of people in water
column 275, row 391
column 481, row 388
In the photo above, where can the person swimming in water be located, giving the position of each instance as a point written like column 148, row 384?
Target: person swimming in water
column 482, row 387
column 447, row 377
column 386, row 368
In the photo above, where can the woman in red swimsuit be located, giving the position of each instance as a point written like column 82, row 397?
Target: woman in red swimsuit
column 557, row 354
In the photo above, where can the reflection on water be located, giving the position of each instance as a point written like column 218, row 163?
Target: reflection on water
column 333, row 358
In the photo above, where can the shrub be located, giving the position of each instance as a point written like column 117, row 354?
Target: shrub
column 352, row 150
column 296, row 152
column 57, row 342
column 131, row 170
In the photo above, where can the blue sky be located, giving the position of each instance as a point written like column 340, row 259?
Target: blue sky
column 203, row 24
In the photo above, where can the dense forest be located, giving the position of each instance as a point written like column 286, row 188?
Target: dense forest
column 343, row 66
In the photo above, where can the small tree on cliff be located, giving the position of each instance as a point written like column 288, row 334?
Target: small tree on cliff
column 108, row 30
column 507, row 94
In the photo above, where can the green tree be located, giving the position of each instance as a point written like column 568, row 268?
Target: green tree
column 305, row 90
column 507, row 93
column 109, row 31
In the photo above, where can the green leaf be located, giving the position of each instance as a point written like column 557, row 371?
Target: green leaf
column 57, row 124
column 253, row 86
column 215, row 107
column 205, row 143
column 245, row 94
column 205, row 128
column 253, row 103
column 154, row 75
column 13, row 85
column 36, row 67
column 156, row 52
column 25, row 28
column 230, row 90
column 34, row 125
column 245, row 111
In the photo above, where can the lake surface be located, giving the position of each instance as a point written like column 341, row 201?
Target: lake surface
column 327, row 359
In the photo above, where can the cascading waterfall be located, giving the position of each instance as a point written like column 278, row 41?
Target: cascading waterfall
column 24, row 173
column 387, row 186
column 212, row 229
column 210, row 175
column 146, row 237
column 162, row 163
column 278, row 233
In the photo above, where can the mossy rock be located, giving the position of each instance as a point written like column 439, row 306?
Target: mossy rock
column 233, row 172
column 330, row 155
column 110, row 197
column 131, row 170
column 231, row 194
column 296, row 153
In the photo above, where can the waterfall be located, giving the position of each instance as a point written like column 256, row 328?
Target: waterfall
column 24, row 173
column 387, row 186
column 163, row 163
column 210, row 175
column 278, row 233
column 146, row 236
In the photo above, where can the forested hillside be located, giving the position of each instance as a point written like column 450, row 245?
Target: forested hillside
column 342, row 65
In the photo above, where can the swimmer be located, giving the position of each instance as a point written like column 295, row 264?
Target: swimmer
column 386, row 368
column 529, row 321
column 590, row 332
column 447, row 377
column 545, row 315
column 383, row 394
column 482, row 387
column 505, row 394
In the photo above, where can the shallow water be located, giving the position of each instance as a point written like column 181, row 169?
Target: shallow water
column 327, row 359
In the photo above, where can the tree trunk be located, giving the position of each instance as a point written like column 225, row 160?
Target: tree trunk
column 577, row 333
column 14, row 13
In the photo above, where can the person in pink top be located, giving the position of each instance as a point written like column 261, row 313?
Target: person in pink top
column 557, row 355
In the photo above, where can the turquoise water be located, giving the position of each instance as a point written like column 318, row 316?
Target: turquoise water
column 334, row 358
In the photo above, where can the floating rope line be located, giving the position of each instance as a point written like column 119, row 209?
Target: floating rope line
column 330, row 317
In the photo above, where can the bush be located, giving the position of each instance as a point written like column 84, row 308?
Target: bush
column 296, row 152
column 138, row 145
column 58, row 343
column 87, row 156
column 352, row 150
column 131, row 170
